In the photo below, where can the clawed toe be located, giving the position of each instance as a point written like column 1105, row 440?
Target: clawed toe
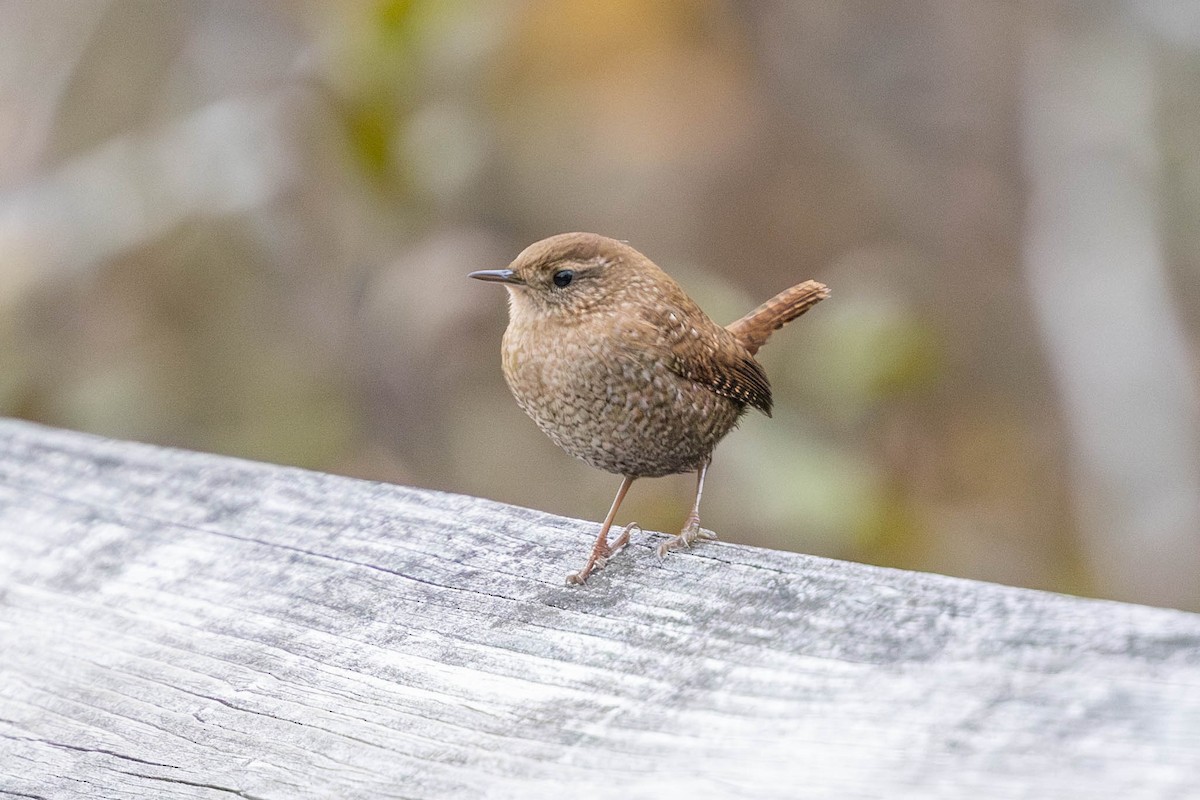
column 601, row 553
column 623, row 539
column 690, row 533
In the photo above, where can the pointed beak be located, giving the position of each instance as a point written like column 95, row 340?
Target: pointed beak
column 497, row 276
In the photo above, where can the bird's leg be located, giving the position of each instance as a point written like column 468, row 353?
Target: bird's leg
column 603, row 550
column 691, row 527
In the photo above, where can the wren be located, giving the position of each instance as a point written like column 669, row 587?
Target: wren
column 620, row 368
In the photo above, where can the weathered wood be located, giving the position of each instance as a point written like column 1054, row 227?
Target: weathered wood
column 182, row 625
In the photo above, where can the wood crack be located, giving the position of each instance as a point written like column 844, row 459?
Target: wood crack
column 81, row 749
column 197, row 784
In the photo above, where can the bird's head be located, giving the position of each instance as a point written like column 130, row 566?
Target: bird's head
column 574, row 274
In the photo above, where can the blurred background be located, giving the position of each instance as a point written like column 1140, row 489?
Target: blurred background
column 244, row 228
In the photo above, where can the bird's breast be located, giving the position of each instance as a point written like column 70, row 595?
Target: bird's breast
column 613, row 401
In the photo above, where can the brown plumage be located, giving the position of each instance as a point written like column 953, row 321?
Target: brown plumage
column 753, row 330
column 620, row 368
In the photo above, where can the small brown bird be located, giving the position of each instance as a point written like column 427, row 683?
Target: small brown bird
column 617, row 365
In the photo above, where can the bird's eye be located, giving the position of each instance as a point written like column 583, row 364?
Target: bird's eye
column 563, row 278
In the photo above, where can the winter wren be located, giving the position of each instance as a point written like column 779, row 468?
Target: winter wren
column 622, row 369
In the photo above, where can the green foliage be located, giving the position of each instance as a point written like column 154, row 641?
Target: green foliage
column 872, row 352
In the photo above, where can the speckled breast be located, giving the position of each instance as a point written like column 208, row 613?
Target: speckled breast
column 617, row 410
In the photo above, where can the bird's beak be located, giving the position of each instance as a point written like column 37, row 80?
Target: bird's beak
column 497, row 276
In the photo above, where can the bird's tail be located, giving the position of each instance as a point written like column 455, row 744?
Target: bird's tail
column 755, row 328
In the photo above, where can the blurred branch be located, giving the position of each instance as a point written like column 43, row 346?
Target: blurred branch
column 229, row 156
column 1117, row 346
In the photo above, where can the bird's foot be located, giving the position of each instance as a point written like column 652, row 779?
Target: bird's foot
column 690, row 533
column 601, row 553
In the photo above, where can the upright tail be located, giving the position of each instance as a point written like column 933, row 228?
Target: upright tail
column 755, row 328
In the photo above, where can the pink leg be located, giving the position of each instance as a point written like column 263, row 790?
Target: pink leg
column 691, row 526
column 603, row 551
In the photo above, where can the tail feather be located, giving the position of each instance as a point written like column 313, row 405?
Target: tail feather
column 753, row 330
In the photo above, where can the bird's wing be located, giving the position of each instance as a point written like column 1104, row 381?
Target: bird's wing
column 727, row 370
column 709, row 355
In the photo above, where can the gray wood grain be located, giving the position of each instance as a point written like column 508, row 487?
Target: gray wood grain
column 182, row 625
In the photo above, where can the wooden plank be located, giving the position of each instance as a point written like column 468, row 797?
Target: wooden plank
column 182, row 625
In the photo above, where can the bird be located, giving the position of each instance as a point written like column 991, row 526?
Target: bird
column 612, row 360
